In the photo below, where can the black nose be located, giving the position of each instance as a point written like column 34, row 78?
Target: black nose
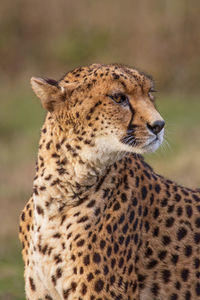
column 156, row 127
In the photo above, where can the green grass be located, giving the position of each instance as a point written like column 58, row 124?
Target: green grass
column 21, row 117
column 11, row 275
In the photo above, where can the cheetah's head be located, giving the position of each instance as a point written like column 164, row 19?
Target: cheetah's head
column 103, row 110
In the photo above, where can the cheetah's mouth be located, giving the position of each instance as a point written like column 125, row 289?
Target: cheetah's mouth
column 154, row 143
column 149, row 144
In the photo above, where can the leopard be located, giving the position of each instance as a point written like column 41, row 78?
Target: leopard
column 100, row 223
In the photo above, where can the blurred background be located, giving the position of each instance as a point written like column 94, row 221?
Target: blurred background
column 48, row 38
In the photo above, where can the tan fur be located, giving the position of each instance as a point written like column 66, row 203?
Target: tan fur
column 101, row 224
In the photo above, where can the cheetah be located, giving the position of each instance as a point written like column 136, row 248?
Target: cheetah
column 101, row 224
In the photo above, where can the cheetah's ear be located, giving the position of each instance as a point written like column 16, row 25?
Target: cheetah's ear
column 49, row 92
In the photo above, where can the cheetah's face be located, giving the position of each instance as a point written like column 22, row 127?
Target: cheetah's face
column 111, row 108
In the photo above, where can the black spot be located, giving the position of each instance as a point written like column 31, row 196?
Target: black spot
column 83, row 219
column 141, row 278
column 23, row 216
column 152, row 264
column 170, row 208
column 179, row 211
column 127, row 240
column 73, row 286
column 105, row 270
column 80, row 243
column 40, row 210
column 113, row 262
column 177, row 197
column 57, row 235
column 197, row 288
column 197, row 263
column 94, row 238
column 169, row 222
column 177, row 285
column 121, row 262
column 157, row 188
column 115, row 227
column 116, row 248
column 102, row 244
column 66, row 293
column 90, row 276
column 86, row 260
column 188, row 250
column 174, row 259
column 55, row 155
column 197, row 238
column 116, row 206
column 156, row 213
column 166, row 275
column 96, row 258
column 136, row 239
column 125, row 228
column 115, row 76
column 73, row 257
column 148, row 252
column 134, row 201
column 58, row 272
column 156, row 231
column 164, row 202
column 155, row 289
column 188, row 295
column 185, row 274
column 135, row 224
column 188, row 211
column 91, row 203
column 83, row 289
column 145, row 213
column 162, row 254
column 130, row 269
column 47, row 297
column 166, row 240
column 109, row 251
column 173, row 297
column 112, row 279
column 109, row 229
column 122, row 218
column 144, row 192
column 121, row 239
column 181, row 233
column 32, row 284
column 129, row 254
column 123, row 197
column 196, row 198
column 99, row 284
column 197, row 222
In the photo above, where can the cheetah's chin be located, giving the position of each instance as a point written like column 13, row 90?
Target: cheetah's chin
column 153, row 145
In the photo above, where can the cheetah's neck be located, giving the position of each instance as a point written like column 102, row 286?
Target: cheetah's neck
column 63, row 176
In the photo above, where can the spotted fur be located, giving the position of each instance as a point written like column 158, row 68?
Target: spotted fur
column 101, row 224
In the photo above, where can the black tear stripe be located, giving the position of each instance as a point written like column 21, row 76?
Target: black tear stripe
column 130, row 126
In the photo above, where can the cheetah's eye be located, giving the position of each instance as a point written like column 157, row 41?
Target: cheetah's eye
column 119, row 98
column 151, row 96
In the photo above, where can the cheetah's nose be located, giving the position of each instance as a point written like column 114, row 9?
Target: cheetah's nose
column 156, row 127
